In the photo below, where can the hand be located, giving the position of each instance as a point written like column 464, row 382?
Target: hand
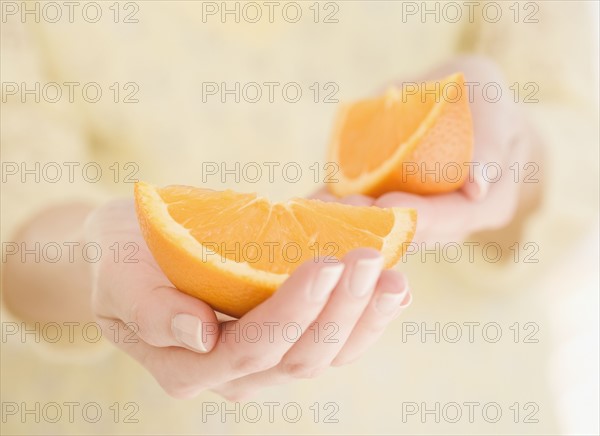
column 340, row 308
column 501, row 137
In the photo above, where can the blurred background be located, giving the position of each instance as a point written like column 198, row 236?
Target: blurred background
column 159, row 91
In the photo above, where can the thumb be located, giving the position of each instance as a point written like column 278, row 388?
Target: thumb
column 166, row 317
column 476, row 186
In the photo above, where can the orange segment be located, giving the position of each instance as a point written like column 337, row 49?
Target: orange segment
column 412, row 139
column 234, row 250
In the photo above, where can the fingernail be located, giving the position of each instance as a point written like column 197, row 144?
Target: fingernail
column 389, row 302
column 325, row 281
column 188, row 330
column 406, row 302
column 364, row 276
column 478, row 189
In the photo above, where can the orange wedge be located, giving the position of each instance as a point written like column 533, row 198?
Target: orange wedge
column 416, row 138
column 233, row 250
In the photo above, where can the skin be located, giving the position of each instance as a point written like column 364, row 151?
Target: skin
column 355, row 294
column 142, row 295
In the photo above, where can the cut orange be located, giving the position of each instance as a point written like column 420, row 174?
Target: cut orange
column 416, row 138
column 233, row 250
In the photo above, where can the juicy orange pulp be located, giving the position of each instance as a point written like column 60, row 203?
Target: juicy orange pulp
column 233, row 250
column 404, row 140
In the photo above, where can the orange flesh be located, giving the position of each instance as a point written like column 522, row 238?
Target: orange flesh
column 402, row 140
column 274, row 237
column 376, row 128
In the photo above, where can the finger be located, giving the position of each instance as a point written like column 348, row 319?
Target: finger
column 476, row 186
column 453, row 216
column 357, row 200
column 495, row 126
column 165, row 317
column 318, row 346
column 323, row 194
column 167, row 365
column 501, row 199
column 143, row 297
column 391, row 296
column 493, row 121
column 299, row 300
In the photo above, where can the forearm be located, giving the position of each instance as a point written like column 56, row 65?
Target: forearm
column 45, row 276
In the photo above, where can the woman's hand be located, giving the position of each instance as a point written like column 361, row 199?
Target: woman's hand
column 325, row 314
column 486, row 201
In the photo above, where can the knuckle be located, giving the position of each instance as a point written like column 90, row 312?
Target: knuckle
column 237, row 395
column 374, row 327
column 139, row 322
column 180, row 391
column 342, row 361
column 181, row 394
column 177, row 385
column 255, row 363
column 302, row 370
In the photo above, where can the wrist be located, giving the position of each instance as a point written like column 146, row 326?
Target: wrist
column 44, row 277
